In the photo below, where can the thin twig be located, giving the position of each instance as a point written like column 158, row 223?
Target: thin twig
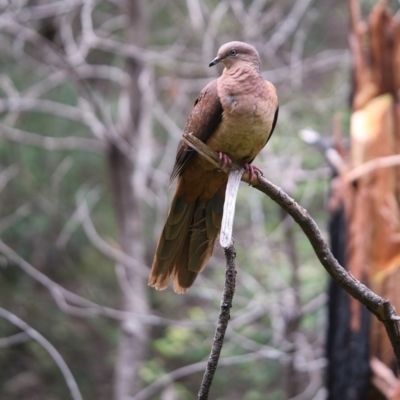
column 7, row 174
column 50, row 143
column 223, row 320
column 82, row 307
column 112, row 252
column 149, row 391
column 372, row 165
column 13, row 340
column 55, row 355
column 379, row 306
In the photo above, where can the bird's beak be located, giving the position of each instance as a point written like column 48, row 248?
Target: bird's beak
column 215, row 61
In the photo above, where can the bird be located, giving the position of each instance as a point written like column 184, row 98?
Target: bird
column 234, row 115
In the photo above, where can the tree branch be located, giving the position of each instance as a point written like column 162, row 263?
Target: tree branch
column 55, row 355
column 165, row 380
column 48, row 142
column 379, row 306
column 7, row 174
column 13, row 340
column 223, row 319
column 85, row 117
column 82, row 307
column 115, row 254
column 372, row 165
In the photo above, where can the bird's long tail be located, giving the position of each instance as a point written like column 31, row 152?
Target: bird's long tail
column 187, row 241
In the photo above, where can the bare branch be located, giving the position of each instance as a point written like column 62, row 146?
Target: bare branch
column 251, row 345
column 92, row 197
column 195, row 14
column 288, row 26
column 85, row 307
column 101, row 127
column 116, row 46
column 323, row 61
column 314, row 304
column 48, row 142
column 55, row 355
column 210, row 34
column 384, row 379
column 59, row 109
column 254, row 311
column 13, row 340
column 7, row 174
column 372, row 165
column 380, row 307
column 41, row 11
column 223, row 319
column 73, row 54
column 106, row 72
column 165, row 380
column 10, row 220
column 112, row 252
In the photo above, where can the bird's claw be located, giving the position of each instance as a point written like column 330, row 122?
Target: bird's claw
column 224, row 160
column 252, row 169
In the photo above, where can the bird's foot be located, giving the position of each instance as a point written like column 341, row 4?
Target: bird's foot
column 251, row 169
column 224, row 160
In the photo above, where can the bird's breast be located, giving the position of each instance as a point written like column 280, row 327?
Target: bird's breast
column 245, row 126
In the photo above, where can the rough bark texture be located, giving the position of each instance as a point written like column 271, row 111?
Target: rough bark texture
column 223, row 319
column 292, row 379
column 134, row 334
column 351, row 381
column 370, row 205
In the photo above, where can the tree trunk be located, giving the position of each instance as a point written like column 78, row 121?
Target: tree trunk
column 134, row 334
column 370, row 205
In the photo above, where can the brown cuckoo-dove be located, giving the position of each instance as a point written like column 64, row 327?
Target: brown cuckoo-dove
column 235, row 115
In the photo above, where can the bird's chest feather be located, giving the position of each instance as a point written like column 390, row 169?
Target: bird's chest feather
column 243, row 115
column 245, row 126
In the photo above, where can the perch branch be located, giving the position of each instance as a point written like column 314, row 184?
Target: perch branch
column 379, row 306
column 223, row 319
column 234, row 177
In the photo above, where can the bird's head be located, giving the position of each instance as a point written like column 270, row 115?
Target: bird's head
column 233, row 53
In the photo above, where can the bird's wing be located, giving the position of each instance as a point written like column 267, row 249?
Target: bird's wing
column 273, row 123
column 271, row 94
column 202, row 122
column 273, row 98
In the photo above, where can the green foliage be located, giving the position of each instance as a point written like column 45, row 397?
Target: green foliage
column 175, row 342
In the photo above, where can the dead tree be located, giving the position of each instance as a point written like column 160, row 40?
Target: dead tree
column 366, row 211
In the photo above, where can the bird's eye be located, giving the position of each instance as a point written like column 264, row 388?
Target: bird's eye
column 233, row 52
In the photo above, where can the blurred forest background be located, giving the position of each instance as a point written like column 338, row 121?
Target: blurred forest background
column 93, row 98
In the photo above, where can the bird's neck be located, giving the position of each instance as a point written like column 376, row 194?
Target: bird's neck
column 242, row 71
column 241, row 80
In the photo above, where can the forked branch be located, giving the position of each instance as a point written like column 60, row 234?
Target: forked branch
column 379, row 306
